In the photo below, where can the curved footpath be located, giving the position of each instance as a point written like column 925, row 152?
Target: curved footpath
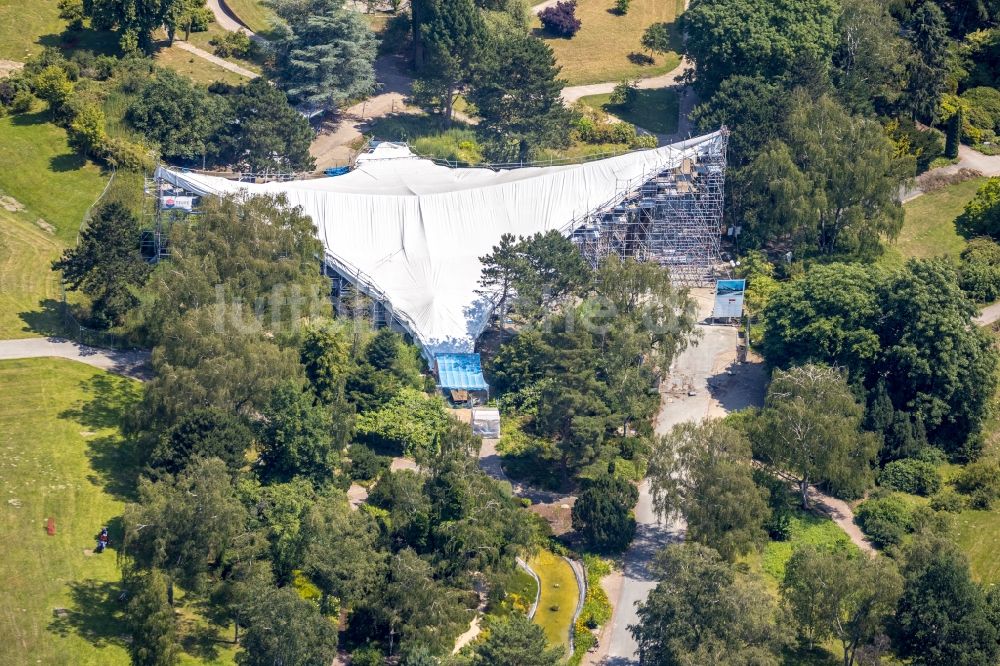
column 134, row 364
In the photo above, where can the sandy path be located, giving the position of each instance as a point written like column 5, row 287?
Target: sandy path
column 214, row 59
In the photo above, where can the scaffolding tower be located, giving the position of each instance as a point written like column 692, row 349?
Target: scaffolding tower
column 671, row 215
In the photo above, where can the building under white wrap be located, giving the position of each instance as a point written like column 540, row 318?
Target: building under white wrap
column 410, row 232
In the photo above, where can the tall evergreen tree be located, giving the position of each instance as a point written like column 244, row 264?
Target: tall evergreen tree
column 150, row 620
column 452, row 37
column 106, row 264
column 517, row 94
column 929, row 34
column 501, row 269
column 324, row 53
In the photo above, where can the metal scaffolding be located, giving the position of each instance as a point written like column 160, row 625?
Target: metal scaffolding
column 672, row 215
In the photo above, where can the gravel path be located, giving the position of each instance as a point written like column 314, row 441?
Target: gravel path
column 988, row 165
column 571, row 94
column 224, row 64
column 133, row 364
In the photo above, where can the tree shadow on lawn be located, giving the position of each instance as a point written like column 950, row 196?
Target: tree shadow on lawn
column 115, row 461
column 100, row 42
column 67, row 162
column 46, row 320
column 95, row 612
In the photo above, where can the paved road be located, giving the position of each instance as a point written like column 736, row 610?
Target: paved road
column 227, row 20
column 695, row 369
column 133, row 364
column 989, row 315
column 988, row 165
column 571, row 94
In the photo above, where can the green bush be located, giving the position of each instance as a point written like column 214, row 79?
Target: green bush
column 982, row 215
column 980, row 270
column 911, row 476
column 367, row 656
column 412, row 421
column 981, row 482
column 366, row 464
column 983, row 107
column 948, row 500
column 200, row 18
column 233, row 45
column 621, row 6
column 885, row 520
column 454, row 145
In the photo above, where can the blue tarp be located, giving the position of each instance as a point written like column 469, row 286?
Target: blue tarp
column 460, row 371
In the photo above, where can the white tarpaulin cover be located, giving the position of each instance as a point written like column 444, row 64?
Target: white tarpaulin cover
column 413, row 231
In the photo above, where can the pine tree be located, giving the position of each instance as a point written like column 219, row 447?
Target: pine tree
column 500, row 270
column 327, row 54
column 954, row 136
column 929, row 30
column 518, row 97
column 452, row 38
column 150, row 621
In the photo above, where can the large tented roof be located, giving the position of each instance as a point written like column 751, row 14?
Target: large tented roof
column 411, row 232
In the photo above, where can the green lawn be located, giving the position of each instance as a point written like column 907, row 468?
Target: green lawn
column 929, row 226
column 559, row 596
column 195, row 67
column 51, row 188
column 26, row 251
column 600, row 50
column 41, row 171
column 61, row 460
column 653, row 110
column 253, row 14
column 806, row 529
column 21, row 24
column 978, row 534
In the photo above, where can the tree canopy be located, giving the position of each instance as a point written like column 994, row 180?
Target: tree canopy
column 702, row 472
column 324, row 53
column 702, row 611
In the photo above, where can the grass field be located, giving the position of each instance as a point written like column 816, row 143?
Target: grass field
column 63, row 458
column 600, row 50
column 654, row 110
column 253, row 14
column 51, row 189
column 929, row 226
column 38, row 168
column 559, row 596
column 194, row 67
column 60, row 460
column 21, row 23
column 26, row 251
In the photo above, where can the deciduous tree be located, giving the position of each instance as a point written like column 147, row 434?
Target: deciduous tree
column 811, row 427
column 516, row 641
column 702, row 473
column 702, row 612
column 837, row 594
column 943, row 617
